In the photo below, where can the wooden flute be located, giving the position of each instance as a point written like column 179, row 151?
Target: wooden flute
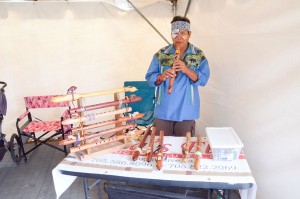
column 138, row 149
column 95, row 116
column 159, row 159
column 95, row 134
column 185, row 150
column 149, row 152
column 197, row 153
column 105, row 104
column 96, row 143
column 108, row 122
column 172, row 79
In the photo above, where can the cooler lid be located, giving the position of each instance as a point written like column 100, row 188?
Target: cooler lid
column 223, row 137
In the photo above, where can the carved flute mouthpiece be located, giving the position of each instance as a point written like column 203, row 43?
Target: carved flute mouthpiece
column 185, row 150
column 198, row 153
column 138, row 149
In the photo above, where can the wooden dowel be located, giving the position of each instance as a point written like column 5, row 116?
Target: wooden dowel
column 75, row 96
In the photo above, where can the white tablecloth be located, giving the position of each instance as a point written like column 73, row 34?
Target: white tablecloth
column 120, row 164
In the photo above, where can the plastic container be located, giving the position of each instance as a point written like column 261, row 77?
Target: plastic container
column 224, row 142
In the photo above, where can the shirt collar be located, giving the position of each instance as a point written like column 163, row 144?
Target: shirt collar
column 188, row 50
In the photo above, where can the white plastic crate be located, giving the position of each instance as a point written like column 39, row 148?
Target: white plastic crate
column 224, row 142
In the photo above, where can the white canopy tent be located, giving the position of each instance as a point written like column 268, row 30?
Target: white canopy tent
column 252, row 47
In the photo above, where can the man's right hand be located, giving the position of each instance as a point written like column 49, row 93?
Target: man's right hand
column 168, row 74
column 165, row 75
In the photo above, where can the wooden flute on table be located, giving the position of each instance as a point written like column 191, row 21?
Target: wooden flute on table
column 149, row 152
column 197, row 156
column 185, row 150
column 159, row 159
column 95, row 134
column 108, row 122
column 172, row 79
column 95, row 116
column 75, row 96
column 138, row 149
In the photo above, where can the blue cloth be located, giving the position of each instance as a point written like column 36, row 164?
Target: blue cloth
column 184, row 102
column 146, row 105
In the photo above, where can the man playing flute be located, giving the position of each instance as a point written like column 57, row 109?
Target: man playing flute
column 177, row 99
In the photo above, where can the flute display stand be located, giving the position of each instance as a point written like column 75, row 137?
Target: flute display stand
column 107, row 146
column 89, row 144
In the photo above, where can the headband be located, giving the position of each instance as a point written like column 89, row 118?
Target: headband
column 177, row 25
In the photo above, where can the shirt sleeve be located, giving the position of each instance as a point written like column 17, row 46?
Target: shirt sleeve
column 203, row 73
column 153, row 72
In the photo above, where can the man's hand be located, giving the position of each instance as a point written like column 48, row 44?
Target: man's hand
column 179, row 65
column 168, row 74
column 165, row 75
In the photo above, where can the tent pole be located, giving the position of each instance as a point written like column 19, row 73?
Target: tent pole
column 187, row 7
column 148, row 21
column 174, row 7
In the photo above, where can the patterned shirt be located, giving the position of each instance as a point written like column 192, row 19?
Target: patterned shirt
column 184, row 101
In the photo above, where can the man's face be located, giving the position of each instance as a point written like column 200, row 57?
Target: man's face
column 182, row 37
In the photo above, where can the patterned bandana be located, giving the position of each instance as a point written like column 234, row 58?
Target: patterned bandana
column 177, row 25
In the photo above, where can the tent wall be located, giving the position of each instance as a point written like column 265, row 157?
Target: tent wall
column 252, row 47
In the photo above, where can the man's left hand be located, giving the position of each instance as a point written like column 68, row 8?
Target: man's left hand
column 179, row 65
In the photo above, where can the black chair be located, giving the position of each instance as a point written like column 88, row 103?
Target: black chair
column 31, row 127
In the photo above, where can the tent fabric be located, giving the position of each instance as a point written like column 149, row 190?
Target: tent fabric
column 252, row 47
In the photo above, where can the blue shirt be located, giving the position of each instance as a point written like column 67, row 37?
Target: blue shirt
column 184, row 101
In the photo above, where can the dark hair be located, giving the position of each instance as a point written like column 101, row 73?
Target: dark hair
column 180, row 18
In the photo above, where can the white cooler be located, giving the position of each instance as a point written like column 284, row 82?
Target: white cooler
column 224, row 142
